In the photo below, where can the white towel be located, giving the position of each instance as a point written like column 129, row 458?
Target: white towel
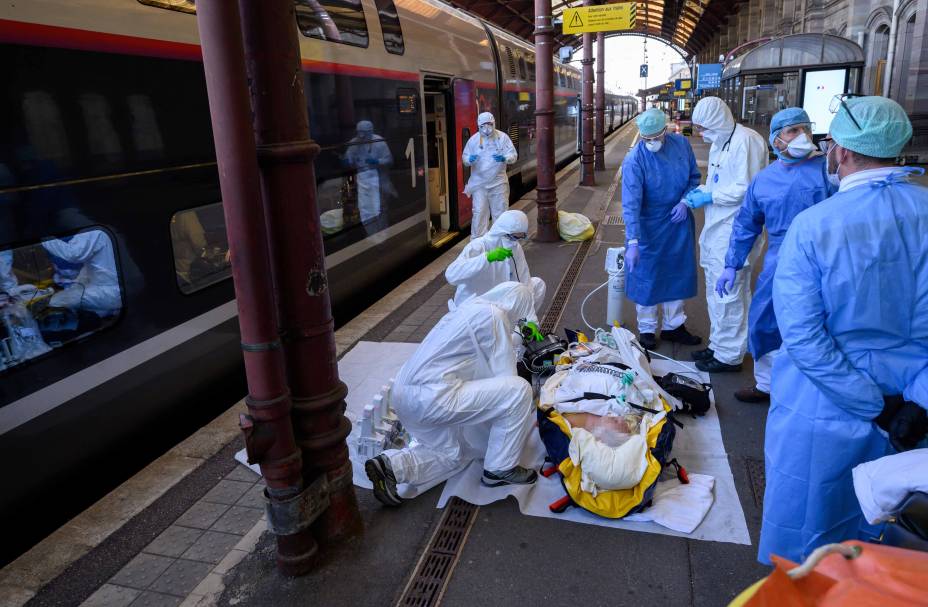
column 677, row 506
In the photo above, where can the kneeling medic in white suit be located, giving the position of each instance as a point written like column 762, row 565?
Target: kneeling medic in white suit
column 461, row 385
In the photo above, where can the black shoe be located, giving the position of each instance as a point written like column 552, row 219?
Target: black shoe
column 514, row 476
column 752, row 395
column 380, row 472
column 713, row 365
column 647, row 340
column 681, row 336
column 704, row 354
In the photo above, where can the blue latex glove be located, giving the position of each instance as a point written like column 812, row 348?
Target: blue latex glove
column 370, row 160
column 698, row 198
column 472, row 158
column 499, row 158
column 726, row 282
column 679, row 212
column 632, row 256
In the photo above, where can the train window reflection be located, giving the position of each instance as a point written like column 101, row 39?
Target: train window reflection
column 390, row 25
column 201, row 248
column 184, row 6
column 333, row 20
column 55, row 292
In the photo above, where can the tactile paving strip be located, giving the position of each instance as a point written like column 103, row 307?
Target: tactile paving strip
column 433, row 571
column 556, row 309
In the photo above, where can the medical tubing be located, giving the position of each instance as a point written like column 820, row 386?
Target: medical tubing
column 594, row 329
column 583, row 305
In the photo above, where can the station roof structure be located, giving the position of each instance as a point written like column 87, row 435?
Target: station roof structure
column 687, row 25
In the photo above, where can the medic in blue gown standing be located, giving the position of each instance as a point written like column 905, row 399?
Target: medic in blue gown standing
column 659, row 229
column 776, row 195
column 849, row 294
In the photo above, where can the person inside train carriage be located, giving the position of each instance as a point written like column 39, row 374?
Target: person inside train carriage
column 660, row 250
column 778, row 193
column 188, row 240
column 487, row 152
column 849, row 294
column 736, row 155
column 460, row 399
column 85, row 278
column 369, row 155
column 495, row 258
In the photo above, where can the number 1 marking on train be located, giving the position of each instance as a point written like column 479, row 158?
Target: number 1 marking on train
column 411, row 154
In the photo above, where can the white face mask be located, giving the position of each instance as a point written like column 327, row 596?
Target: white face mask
column 833, row 178
column 486, row 129
column 654, row 146
column 708, row 136
column 800, row 146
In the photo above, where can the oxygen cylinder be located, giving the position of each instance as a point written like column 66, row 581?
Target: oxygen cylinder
column 615, row 267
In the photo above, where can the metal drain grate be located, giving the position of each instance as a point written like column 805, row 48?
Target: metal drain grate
column 612, row 220
column 758, row 478
column 428, row 581
column 563, row 290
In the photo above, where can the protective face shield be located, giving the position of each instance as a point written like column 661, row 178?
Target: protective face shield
column 486, row 124
column 654, row 144
column 365, row 130
column 794, row 140
column 511, row 225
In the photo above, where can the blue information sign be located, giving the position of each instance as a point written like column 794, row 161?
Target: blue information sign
column 644, row 70
column 709, row 76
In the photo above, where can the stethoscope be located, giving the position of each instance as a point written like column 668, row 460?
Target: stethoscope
column 725, row 146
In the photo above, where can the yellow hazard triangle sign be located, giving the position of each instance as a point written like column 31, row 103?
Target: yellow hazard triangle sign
column 576, row 21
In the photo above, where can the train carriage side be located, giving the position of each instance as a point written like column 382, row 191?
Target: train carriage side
column 108, row 138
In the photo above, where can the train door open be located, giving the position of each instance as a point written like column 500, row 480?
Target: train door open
column 439, row 145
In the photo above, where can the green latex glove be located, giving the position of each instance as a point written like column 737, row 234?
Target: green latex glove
column 499, row 254
column 535, row 333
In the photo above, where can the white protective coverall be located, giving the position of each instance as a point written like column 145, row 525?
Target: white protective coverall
column 368, row 154
column 736, row 156
column 459, row 395
column 7, row 278
column 87, row 262
column 488, row 185
column 473, row 275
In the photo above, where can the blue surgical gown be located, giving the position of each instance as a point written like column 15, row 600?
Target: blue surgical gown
column 652, row 184
column 777, row 194
column 851, row 299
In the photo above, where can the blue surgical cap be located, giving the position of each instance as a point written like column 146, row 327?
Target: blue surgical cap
column 651, row 122
column 787, row 117
column 884, row 127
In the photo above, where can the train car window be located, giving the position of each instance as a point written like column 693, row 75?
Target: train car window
column 523, row 72
column 333, row 20
column 54, row 292
column 184, row 6
column 201, row 248
column 531, row 70
column 390, row 25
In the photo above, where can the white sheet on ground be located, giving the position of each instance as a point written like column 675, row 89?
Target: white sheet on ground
column 698, row 447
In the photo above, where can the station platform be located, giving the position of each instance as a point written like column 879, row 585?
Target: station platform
column 190, row 529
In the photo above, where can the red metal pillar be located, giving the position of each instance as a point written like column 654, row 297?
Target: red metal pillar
column 544, row 123
column 285, row 156
column 599, row 144
column 587, row 176
column 268, row 430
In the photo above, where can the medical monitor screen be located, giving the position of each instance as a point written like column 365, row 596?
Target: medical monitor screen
column 821, row 87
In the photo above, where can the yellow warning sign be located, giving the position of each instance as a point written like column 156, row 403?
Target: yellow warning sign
column 601, row 18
